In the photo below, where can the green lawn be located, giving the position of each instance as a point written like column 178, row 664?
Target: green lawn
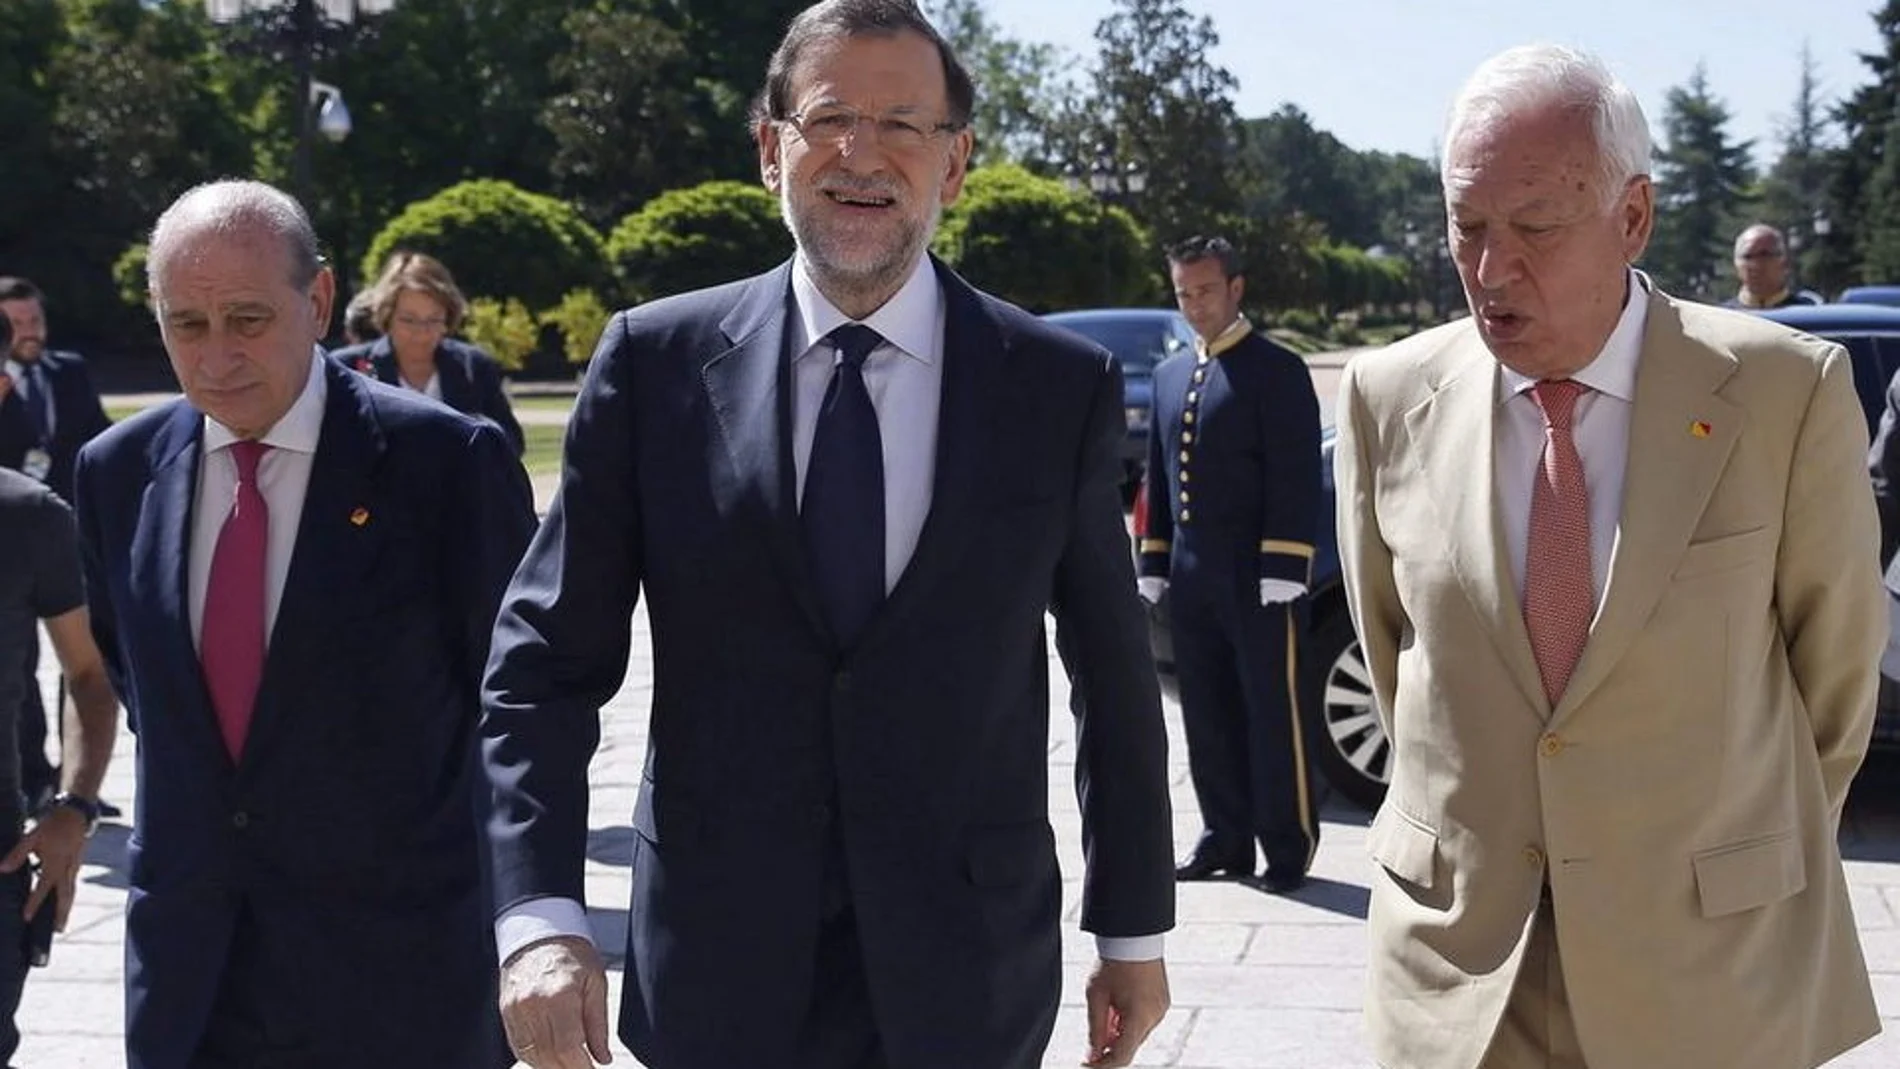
column 542, row 403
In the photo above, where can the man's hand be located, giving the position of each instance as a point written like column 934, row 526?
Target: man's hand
column 1280, row 591
column 58, row 841
column 1126, row 1000
column 554, row 1004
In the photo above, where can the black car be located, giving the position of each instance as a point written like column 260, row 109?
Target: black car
column 1348, row 741
column 1139, row 338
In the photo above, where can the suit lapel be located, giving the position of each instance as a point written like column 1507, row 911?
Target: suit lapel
column 749, row 387
column 161, row 556
column 1681, row 433
column 382, row 361
column 969, row 422
column 333, row 552
column 1453, row 435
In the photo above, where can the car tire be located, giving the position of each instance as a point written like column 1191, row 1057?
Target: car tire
column 1347, row 739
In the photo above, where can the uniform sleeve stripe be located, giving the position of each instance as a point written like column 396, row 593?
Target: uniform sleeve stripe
column 1291, row 549
column 1154, row 545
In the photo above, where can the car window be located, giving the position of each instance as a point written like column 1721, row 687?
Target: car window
column 1138, row 346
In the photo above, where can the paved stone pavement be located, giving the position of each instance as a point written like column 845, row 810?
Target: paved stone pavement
column 1259, row 982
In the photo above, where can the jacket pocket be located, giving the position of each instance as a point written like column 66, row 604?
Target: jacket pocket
column 1750, row 874
column 1405, row 845
column 1724, row 553
column 1009, row 854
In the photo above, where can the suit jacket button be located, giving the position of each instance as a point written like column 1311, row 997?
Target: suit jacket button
column 1533, row 857
column 1552, row 745
column 240, row 820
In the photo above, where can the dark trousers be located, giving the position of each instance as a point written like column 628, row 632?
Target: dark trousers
column 14, row 889
column 1238, row 671
column 839, row 1031
column 38, row 776
column 245, row 1029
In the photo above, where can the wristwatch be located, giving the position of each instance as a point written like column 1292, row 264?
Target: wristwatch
column 85, row 807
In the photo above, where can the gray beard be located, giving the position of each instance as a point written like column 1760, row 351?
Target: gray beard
column 867, row 287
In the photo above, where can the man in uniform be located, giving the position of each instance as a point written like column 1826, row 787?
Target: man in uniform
column 1233, row 507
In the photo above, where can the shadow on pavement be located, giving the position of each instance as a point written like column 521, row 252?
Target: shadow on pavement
column 610, row 934
column 106, row 849
column 1870, row 826
column 1333, row 896
column 610, row 846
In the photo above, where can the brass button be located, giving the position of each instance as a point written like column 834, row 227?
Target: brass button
column 1186, row 515
column 1533, row 857
column 1187, row 437
column 1184, row 456
column 1193, row 396
column 1200, row 375
column 1184, row 497
column 1186, row 475
column 1551, row 746
column 1187, row 417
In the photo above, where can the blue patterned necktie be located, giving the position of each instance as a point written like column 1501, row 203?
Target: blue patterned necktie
column 36, row 399
column 843, row 506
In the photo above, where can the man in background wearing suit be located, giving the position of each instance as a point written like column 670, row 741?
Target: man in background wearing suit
column 1612, row 559
column 307, row 887
column 1233, row 510
column 48, row 409
column 849, row 489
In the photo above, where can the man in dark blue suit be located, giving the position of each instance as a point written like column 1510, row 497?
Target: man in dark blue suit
column 48, row 409
column 1234, row 507
column 295, row 572
column 850, row 489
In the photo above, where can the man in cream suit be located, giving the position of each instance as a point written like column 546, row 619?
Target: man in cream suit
column 1629, row 665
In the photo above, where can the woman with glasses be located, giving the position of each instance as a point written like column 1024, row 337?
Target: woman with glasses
column 418, row 306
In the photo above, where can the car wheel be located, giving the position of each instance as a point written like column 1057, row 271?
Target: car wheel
column 1349, row 743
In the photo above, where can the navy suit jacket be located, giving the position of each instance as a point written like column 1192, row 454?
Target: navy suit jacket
column 470, row 379
column 78, row 415
column 348, row 830
column 921, row 754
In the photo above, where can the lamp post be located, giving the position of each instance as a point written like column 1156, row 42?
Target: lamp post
column 321, row 109
column 1109, row 180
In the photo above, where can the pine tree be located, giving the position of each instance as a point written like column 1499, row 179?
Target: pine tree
column 1702, row 181
column 1793, row 195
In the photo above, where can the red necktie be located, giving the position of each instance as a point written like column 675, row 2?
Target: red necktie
column 231, row 643
column 1559, row 587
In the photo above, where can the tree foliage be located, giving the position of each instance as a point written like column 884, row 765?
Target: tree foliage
column 1085, row 253
column 500, row 241
column 1018, row 83
column 1702, row 182
column 696, row 237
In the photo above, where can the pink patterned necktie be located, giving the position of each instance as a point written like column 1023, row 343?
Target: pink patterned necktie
column 1559, row 588
column 231, row 643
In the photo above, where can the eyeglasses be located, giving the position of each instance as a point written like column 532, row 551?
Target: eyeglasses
column 832, row 126
column 409, row 322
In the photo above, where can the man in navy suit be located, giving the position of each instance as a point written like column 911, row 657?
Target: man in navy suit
column 294, row 572
column 48, row 409
column 850, row 489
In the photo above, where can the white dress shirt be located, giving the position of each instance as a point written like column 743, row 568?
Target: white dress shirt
column 904, row 377
column 431, row 389
column 1600, row 426
column 283, row 476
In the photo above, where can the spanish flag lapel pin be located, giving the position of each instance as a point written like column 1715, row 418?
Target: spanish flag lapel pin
column 1699, row 428
column 359, row 516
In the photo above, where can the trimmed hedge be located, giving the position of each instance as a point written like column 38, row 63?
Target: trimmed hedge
column 1038, row 243
column 703, row 235
column 501, row 242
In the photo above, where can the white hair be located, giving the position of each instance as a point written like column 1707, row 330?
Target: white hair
column 232, row 207
column 1531, row 76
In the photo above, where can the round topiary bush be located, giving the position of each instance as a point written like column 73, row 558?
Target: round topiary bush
column 687, row 239
column 500, row 241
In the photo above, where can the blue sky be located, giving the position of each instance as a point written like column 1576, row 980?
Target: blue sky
column 1378, row 74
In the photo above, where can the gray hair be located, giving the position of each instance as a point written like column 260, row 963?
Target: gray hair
column 1758, row 229
column 1533, row 75
column 230, row 208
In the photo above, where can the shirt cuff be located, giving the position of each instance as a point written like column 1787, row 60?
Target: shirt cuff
column 1131, row 948
column 538, row 919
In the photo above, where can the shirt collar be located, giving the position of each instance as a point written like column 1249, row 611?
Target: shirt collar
column 1773, row 300
column 1227, row 339
column 1613, row 371
column 908, row 320
column 297, row 430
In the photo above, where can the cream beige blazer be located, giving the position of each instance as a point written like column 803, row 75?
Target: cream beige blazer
column 1682, row 799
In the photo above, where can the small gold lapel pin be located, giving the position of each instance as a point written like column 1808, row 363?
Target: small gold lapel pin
column 359, row 516
column 1699, row 428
